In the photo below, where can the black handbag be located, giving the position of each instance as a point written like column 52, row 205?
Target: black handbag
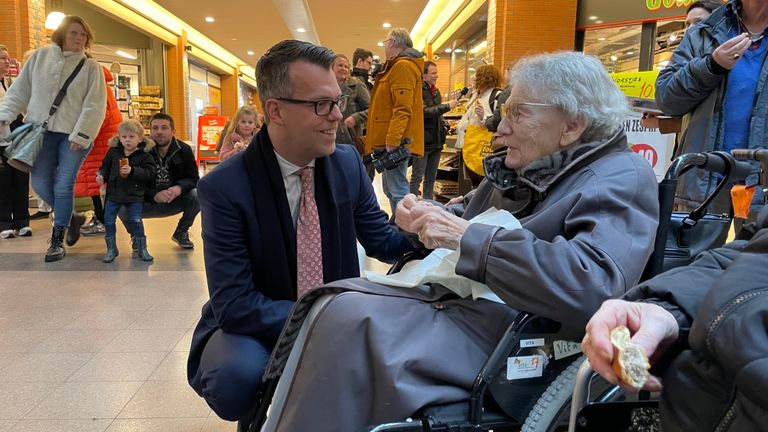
column 685, row 239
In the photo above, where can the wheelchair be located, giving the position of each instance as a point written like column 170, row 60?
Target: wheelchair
column 497, row 403
column 605, row 413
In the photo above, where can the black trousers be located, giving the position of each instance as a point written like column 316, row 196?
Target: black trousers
column 14, row 196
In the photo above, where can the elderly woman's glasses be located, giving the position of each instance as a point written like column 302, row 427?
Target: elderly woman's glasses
column 512, row 109
column 323, row 107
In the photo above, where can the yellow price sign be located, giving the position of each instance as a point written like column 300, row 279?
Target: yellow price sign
column 640, row 85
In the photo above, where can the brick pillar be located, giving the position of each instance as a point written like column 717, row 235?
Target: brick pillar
column 22, row 25
column 177, row 92
column 230, row 100
column 517, row 28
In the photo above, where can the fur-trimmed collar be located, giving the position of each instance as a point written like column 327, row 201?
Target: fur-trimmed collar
column 147, row 145
column 543, row 174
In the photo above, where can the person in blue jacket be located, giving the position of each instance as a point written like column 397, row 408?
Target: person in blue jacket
column 253, row 215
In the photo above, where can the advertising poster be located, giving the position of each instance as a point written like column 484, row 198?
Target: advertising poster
column 209, row 128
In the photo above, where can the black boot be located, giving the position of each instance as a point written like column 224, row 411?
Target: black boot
column 134, row 247
column 73, row 233
column 141, row 245
column 112, row 251
column 56, row 250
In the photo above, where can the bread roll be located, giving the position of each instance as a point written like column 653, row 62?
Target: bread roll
column 629, row 360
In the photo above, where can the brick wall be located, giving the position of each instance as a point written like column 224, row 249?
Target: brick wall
column 517, row 28
column 22, row 25
column 177, row 92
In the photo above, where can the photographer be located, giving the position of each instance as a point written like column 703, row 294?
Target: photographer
column 396, row 110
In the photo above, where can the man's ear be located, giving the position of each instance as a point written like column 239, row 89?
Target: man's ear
column 273, row 113
column 573, row 129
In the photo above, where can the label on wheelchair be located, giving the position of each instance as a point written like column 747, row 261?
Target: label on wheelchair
column 526, row 366
column 563, row 349
column 531, row 343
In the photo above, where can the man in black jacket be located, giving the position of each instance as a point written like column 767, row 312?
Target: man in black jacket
column 434, row 133
column 175, row 188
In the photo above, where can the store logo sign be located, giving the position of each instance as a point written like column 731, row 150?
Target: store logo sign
column 655, row 5
column 647, row 152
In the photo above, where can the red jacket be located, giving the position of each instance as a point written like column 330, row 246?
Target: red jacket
column 85, row 184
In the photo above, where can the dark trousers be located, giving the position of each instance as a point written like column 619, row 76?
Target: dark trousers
column 98, row 208
column 230, row 373
column 425, row 167
column 14, row 196
column 133, row 223
column 187, row 204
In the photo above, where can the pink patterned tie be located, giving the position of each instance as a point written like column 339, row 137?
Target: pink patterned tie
column 309, row 250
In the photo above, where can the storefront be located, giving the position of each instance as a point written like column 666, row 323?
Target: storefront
column 631, row 35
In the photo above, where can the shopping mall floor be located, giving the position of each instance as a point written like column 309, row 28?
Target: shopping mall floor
column 92, row 347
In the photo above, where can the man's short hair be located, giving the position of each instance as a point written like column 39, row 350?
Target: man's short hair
column 707, row 5
column 400, row 38
column 427, row 64
column 162, row 116
column 360, row 54
column 272, row 69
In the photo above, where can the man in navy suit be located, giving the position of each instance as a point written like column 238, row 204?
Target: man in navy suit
column 250, row 208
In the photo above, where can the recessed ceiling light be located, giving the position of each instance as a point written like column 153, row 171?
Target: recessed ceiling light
column 234, row 39
column 592, row 18
column 301, row 30
column 673, row 38
column 124, row 54
column 386, row 25
column 251, row 52
column 614, row 58
column 448, row 50
column 599, row 22
column 601, row 39
column 458, row 50
column 630, row 52
column 210, row 19
column 380, row 43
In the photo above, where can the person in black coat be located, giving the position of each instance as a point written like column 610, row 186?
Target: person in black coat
column 128, row 171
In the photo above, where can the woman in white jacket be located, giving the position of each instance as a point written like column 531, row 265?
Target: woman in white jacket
column 71, row 130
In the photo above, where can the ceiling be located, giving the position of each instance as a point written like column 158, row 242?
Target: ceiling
column 341, row 25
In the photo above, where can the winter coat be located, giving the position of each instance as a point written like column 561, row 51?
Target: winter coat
column 716, row 374
column 227, row 149
column 688, row 87
column 81, row 112
column 130, row 189
column 358, row 101
column 86, row 185
column 595, row 215
column 180, row 165
column 434, row 125
column 396, row 108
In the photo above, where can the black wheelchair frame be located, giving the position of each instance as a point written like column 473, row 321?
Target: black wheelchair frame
column 480, row 412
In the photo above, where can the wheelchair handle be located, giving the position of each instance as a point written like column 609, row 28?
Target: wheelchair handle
column 580, row 396
column 759, row 155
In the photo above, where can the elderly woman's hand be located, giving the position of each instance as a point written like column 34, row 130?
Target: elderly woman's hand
column 404, row 213
column 438, row 228
column 74, row 146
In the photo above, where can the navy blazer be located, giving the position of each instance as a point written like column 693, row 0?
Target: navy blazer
column 250, row 241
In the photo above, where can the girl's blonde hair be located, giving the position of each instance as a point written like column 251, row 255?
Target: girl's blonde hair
column 131, row 125
column 244, row 110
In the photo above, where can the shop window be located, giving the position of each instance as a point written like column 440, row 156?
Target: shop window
column 618, row 48
column 668, row 37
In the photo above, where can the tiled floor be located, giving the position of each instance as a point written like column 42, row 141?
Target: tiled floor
column 93, row 347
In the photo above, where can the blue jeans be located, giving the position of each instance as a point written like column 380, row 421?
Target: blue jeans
column 54, row 174
column 132, row 221
column 425, row 167
column 187, row 204
column 395, row 183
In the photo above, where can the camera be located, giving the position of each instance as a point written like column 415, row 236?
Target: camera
column 384, row 160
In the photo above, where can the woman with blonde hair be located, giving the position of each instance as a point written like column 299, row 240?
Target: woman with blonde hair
column 477, row 138
column 71, row 130
column 240, row 132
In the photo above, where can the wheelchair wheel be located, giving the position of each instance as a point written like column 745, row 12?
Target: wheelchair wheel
column 551, row 411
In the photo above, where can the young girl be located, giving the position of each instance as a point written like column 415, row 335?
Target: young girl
column 128, row 170
column 240, row 133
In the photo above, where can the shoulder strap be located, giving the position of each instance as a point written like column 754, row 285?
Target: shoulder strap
column 494, row 95
column 63, row 91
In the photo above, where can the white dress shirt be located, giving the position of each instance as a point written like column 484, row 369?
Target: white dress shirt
column 292, row 182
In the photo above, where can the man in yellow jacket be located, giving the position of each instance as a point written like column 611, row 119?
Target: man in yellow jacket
column 396, row 110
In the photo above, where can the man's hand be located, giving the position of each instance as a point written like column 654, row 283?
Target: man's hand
column 408, row 210
column 74, row 146
column 453, row 104
column 350, row 122
column 167, row 195
column 456, row 200
column 100, row 180
column 652, row 327
column 727, row 54
column 390, row 148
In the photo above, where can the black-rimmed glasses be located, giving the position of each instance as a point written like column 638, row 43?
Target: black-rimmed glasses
column 323, row 107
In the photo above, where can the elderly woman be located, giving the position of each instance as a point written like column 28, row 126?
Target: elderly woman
column 589, row 210
column 71, row 130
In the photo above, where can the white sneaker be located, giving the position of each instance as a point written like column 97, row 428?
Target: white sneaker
column 8, row 234
column 25, row 232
